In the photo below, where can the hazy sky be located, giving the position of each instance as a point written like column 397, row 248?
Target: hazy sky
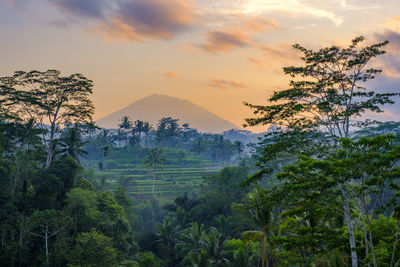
column 216, row 53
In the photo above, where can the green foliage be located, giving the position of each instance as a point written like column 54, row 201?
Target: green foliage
column 148, row 259
column 93, row 249
column 329, row 92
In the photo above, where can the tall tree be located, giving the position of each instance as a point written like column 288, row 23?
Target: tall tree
column 329, row 90
column 138, row 129
column 46, row 224
column 51, row 100
column 328, row 93
column 126, row 126
column 146, row 129
column 154, row 161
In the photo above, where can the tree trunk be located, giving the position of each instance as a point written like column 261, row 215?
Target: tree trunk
column 20, row 242
column 365, row 235
column 47, row 247
column 50, row 150
column 346, row 210
column 354, row 260
column 392, row 264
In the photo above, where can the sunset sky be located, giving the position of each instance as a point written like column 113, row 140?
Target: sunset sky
column 215, row 53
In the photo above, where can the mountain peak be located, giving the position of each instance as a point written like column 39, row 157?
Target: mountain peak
column 156, row 106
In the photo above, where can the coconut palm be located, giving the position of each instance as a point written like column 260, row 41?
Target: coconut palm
column 154, row 161
column 146, row 129
column 189, row 245
column 260, row 212
column 71, row 143
column 126, row 126
column 138, row 129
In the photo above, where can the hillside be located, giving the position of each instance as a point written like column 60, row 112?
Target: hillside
column 155, row 107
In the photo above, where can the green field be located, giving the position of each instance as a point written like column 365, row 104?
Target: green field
column 176, row 176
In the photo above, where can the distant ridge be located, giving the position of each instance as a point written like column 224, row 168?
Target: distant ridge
column 156, row 106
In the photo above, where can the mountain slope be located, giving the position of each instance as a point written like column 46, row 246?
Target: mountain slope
column 155, row 107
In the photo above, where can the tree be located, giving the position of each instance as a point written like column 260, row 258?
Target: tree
column 220, row 148
column 138, row 129
column 71, row 143
column 311, row 189
column 126, row 126
column 46, row 224
column 146, row 129
column 167, row 237
column 259, row 209
column 238, row 147
column 120, row 135
column 199, row 146
column 329, row 93
column 189, row 245
column 94, row 249
column 51, row 100
column 154, row 161
column 167, row 128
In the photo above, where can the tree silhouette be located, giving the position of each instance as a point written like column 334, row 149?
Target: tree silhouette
column 126, row 126
column 51, row 100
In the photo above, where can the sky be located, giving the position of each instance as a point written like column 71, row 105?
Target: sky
column 215, row 53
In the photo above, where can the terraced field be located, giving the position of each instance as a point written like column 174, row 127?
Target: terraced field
column 176, row 176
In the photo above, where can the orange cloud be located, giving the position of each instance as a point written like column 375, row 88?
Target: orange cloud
column 150, row 19
column 393, row 24
column 217, row 41
column 238, row 36
column 226, row 84
column 275, row 56
column 260, row 24
column 171, row 74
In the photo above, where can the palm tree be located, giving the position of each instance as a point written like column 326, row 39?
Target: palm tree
column 71, row 143
column 146, row 129
column 168, row 236
column 138, row 128
column 241, row 258
column 168, row 232
column 126, row 126
column 223, row 225
column 154, row 161
column 260, row 212
column 199, row 248
column 189, row 245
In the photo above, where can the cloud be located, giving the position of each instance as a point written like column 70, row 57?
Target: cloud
column 279, row 51
column 217, row 41
column 226, row 84
column 259, row 23
column 294, row 7
column 274, row 56
column 256, row 61
column 390, row 62
column 393, row 24
column 238, row 36
column 150, row 19
column 171, row 74
column 86, row 8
